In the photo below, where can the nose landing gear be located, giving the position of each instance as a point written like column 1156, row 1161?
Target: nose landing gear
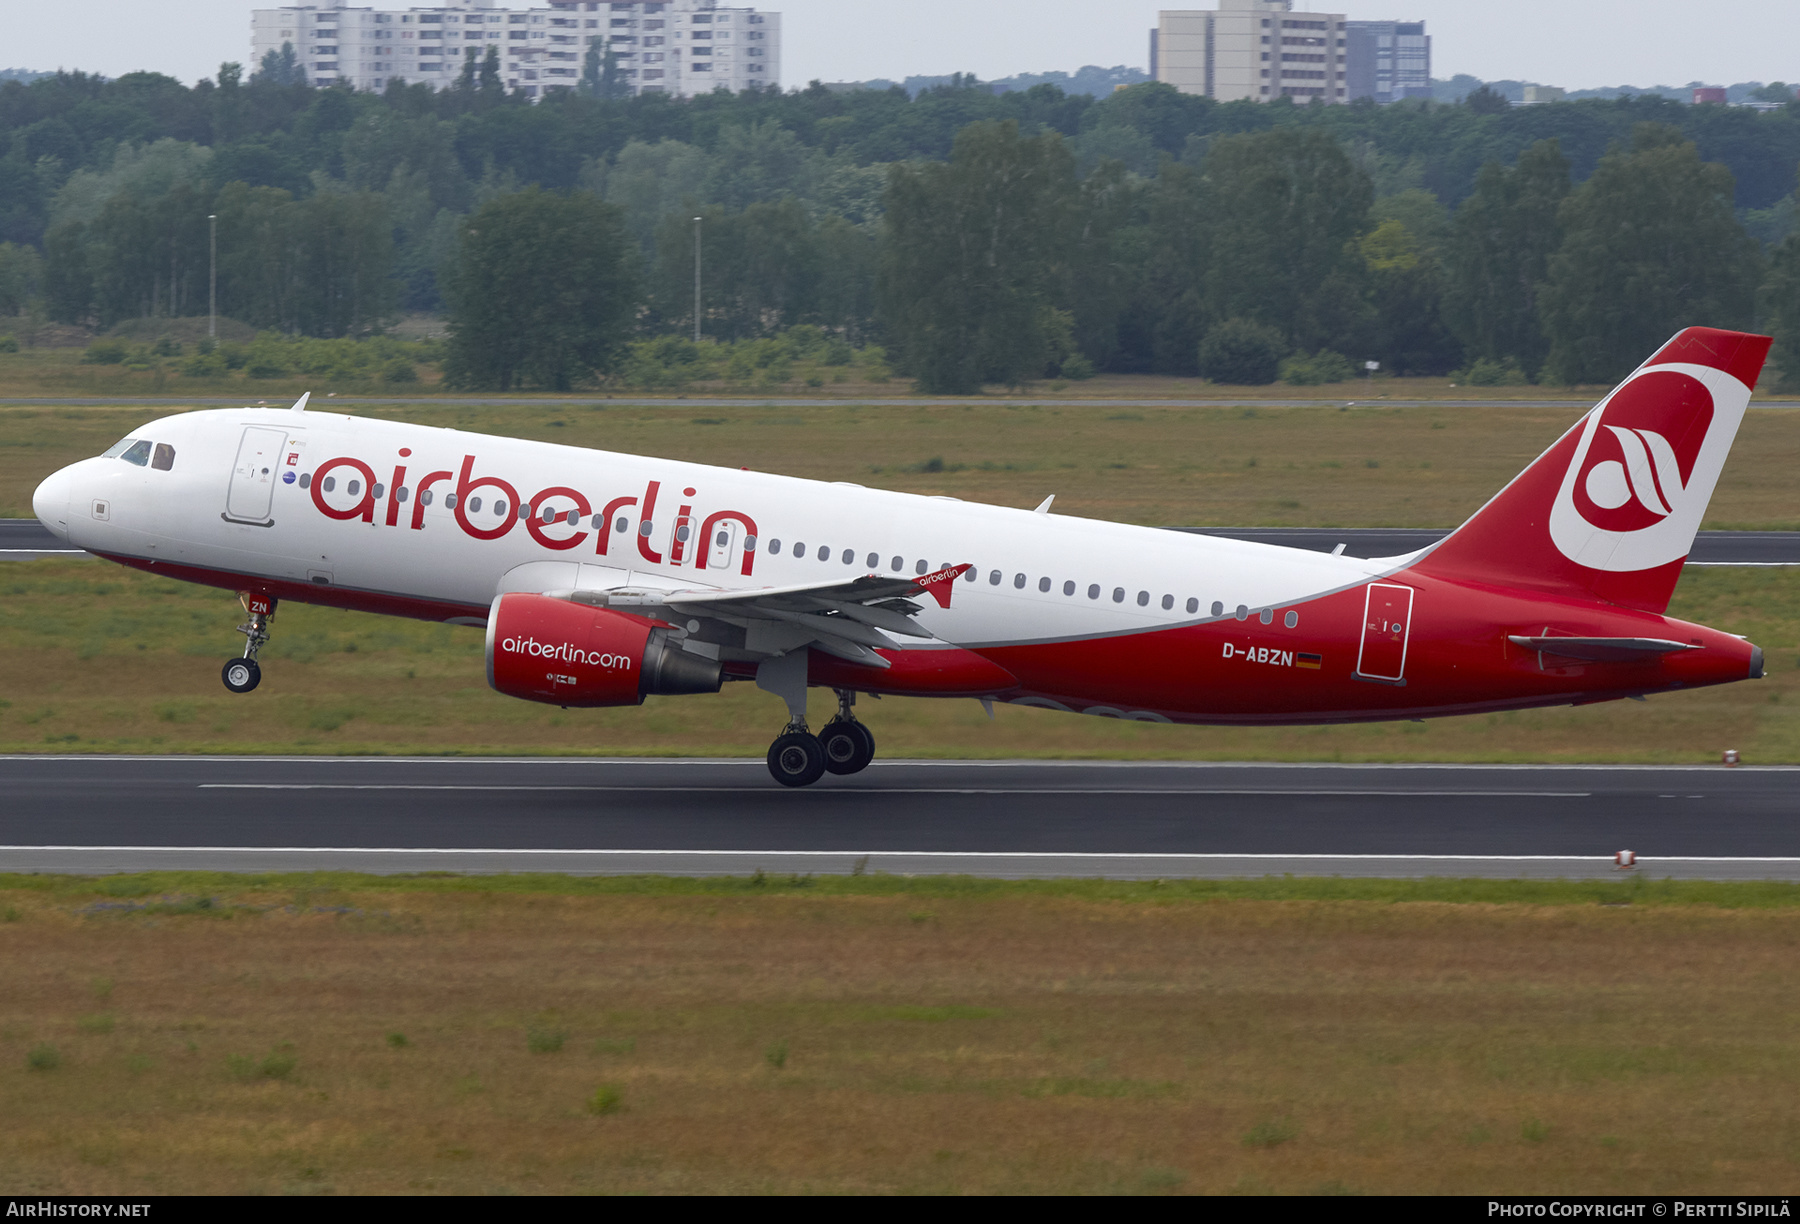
column 243, row 674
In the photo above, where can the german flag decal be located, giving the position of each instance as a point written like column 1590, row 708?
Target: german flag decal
column 1308, row 660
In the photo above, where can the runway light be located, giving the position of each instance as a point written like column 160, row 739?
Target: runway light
column 1731, row 756
column 1625, row 860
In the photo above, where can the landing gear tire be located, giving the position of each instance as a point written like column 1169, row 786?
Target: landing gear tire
column 849, row 746
column 796, row 759
column 241, row 675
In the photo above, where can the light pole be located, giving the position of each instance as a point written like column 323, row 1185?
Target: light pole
column 696, row 280
column 212, row 277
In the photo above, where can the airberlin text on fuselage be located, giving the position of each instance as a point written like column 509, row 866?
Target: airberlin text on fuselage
column 689, row 541
column 567, row 652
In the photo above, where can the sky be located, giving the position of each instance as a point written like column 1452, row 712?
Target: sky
column 1578, row 44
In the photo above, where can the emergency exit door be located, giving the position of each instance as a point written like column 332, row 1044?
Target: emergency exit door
column 254, row 475
column 1387, row 622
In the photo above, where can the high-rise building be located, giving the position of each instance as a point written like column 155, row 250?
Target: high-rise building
column 1389, row 60
column 679, row 47
column 1256, row 49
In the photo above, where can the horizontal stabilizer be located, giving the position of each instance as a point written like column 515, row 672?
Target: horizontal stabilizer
column 1602, row 650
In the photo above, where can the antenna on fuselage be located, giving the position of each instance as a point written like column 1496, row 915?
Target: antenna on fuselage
column 1044, row 506
column 300, row 404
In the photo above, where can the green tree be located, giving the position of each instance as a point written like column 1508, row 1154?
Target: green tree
column 1406, row 288
column 1651, row 245
column 974, row 260
column 1287, row 205
column 1781, row 311
column 280, row 68
column 542, row 294
column 1499, row 253
column 21, row 278
column 760, row 268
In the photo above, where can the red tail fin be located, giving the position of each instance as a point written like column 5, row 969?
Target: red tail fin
column 1610, row 511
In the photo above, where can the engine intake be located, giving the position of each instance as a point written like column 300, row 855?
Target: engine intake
column 568, row 654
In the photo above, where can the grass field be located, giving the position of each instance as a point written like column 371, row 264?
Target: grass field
column 97, row 658
column 1238, row 465
column 321, row 1035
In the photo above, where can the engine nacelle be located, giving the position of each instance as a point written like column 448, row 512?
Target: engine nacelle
column 569, row 654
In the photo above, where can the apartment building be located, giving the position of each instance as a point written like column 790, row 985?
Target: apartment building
column 679, row 47
column 1388, row 60
column 1255, row 49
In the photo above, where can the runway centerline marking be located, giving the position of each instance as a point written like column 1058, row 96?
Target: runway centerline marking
column 895, row 790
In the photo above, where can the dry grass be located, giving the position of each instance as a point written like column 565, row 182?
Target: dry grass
column 794, row 1039
column 97, row 658
column 1227, row 466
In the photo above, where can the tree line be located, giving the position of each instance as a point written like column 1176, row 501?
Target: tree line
column 980, row 237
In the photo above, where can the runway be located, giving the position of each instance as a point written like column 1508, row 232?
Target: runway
column 1000, row 819
column 27, row 539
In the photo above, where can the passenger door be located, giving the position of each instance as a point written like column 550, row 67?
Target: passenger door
column 254, row 475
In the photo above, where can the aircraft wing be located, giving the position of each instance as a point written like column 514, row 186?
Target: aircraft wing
column 848, row 618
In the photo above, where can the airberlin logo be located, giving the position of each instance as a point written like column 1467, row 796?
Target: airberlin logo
column 566, row 652
column 1645, row 466
column 559, row 518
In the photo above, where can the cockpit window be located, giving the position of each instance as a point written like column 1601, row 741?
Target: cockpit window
column 118, row 448
column 164, row 459
column 137, row 452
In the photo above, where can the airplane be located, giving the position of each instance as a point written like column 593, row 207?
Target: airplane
column 603, row 578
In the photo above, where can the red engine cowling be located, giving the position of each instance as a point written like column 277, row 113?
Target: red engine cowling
column 569, row 654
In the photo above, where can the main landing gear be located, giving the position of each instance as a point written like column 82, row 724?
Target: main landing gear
column 844, row 746
column 243, row 674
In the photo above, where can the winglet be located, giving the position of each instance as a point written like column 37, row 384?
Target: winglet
column 300, row 404
column 937, row 585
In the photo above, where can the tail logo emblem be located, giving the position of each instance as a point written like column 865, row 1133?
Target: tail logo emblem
column 1649, row 472
column 1644, row 468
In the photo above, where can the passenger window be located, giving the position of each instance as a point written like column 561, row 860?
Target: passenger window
column 1218, row 609
column 799, row 550
column 920, row 568
column 165, row 457
column 549, row 514
column 969, row 574
column 622, row 524
column 874, row 560
column 525, row 513
column 425, row 496
column 402, row 493
column 994, row 578
column 897, row 564
column 849, row 557
column 1291, row 620
column 1043, row 584
column 1193, row 606
column 824, row 552
column 1243, row 613
column 474, row 502
column 330, row 483
column 306, row 479
column 774, row 547
column 749, row 543
column 646, row 527
column 1168, row 602
column 449, row 498
column 1094, row 590
column 1018, row 582
column 138, row 453
column 378, row 492
column 1267, row 615
column 1118, row 594
column 1069, row 588
column 1143, row 599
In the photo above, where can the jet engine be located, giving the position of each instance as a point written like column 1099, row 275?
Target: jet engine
column 570, row 654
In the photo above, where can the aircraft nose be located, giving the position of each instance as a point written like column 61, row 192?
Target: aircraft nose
column 51, row 502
